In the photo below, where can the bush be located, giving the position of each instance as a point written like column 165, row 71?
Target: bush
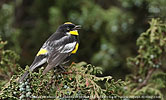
column 148, row 78
column 79, row 81
column 8, row 63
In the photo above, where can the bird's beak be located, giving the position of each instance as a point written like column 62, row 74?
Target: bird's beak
column 77, row 27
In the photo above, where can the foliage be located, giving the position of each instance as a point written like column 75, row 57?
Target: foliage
column 8, row 63
column 79, row 81
column 147, row 77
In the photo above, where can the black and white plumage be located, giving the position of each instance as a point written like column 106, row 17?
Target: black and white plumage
column 57, row 49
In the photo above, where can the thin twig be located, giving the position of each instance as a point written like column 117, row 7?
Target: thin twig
column 146, row 79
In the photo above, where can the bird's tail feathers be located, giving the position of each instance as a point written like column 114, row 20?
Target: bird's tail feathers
column 31, row 68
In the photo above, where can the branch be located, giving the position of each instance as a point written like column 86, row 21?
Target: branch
column 146, row 79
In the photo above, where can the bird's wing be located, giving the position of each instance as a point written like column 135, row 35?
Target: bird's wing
column 59, row 55
column 53, row 62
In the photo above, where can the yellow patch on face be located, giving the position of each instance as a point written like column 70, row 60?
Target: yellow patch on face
column 76, row 48
column 68, row 23
column 42, row 51
column 75, row 32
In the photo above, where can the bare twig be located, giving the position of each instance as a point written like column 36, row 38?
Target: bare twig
column 146, row 79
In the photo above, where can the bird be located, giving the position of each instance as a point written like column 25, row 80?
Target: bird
column 57, row 50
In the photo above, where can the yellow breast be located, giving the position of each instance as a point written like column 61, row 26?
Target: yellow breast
column 76, row 48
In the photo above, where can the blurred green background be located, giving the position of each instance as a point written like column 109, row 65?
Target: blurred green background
column 109, row 28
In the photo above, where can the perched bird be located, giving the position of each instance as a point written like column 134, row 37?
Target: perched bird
column 57, row 49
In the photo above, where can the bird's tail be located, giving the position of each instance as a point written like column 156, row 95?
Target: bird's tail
column 23, row 76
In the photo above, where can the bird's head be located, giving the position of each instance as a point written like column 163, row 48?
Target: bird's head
column 69, row 28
